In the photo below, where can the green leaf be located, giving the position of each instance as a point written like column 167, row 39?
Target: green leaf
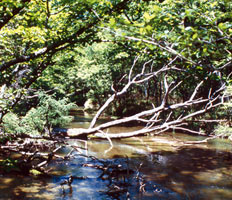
column 195, row 36
column 147, row 16
column 156, row 8
column 148, row 28
column 222, row 26
column 112, row 22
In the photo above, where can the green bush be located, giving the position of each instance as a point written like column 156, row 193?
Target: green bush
column 11, row 123
column 49, row 113
column 226, row 130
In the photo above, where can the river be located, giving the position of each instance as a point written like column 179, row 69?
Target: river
column 170, row 170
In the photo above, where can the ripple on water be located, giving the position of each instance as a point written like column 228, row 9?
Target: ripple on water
column 172, row 171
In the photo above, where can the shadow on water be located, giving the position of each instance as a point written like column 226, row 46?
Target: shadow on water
column 193, row 172
column 180, row 172
column 21, row 187
column 170, row 170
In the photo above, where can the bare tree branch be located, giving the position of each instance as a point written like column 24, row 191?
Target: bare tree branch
column 154, row 124
column 131, row 81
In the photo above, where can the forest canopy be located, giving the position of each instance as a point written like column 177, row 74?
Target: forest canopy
column 165, row 64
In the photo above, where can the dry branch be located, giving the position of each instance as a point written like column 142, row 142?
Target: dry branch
column 137, row 79
column 152, row 117
column 154, row 123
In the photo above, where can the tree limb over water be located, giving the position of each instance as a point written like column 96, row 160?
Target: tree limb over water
column 160, row 118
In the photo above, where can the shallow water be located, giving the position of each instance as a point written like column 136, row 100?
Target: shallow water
column 171, row 170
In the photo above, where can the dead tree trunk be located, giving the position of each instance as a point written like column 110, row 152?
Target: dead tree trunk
column 152, row 117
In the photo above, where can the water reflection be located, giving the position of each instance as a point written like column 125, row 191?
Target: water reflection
column 170, row 169
column 190, row 171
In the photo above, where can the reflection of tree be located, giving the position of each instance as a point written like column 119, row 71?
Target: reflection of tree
column 191, row 170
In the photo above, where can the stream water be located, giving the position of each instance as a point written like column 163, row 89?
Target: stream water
column 170, row 169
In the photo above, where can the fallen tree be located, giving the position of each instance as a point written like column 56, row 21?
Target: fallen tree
column 155, row 120
column 206, row 46
column 160, row 118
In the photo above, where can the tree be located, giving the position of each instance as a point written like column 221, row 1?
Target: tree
column 195, row 38
column 32, row 33
column 179, row 61
column 158, row 118
column 170, row 32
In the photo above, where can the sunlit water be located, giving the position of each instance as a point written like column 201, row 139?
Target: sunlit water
column 171, row 170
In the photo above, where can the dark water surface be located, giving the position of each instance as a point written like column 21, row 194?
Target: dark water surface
column 170, row 169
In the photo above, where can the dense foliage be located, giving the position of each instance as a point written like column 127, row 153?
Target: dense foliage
column 80, row 49
column 225, row 129
column 48, row 114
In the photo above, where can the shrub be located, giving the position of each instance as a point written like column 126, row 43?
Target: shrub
column 226, row 130
column 48, row 114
